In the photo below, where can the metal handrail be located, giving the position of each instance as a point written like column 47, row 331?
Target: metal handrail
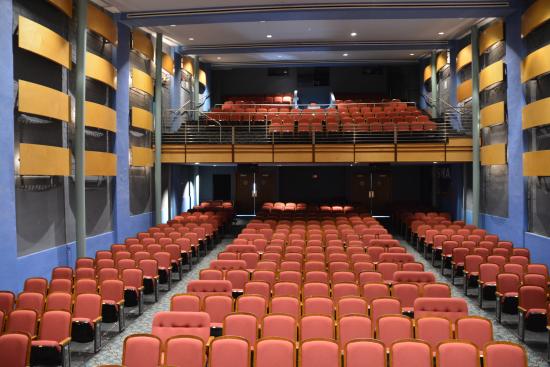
column 375, row 104
column 432, row 103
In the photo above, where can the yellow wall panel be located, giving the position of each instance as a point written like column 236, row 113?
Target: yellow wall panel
column 493, row 154
column 420, row 152
column 142, row 157
column 202, row 77
column 142, row 81
column 43, row 101
column 100, row 116
column 100, row 164
column 536, row 163
column 142, row 119
column 254, row 153
column 328, row 153
column 167, row 63
column 537, row 14
column 100, row 69
column 464, row 57
column 299, row 153
column 536, row 113
column 491, row 75
column 492, row 115
column 535, row 64
column 187, row 64
column 142, row 43
column 493, row 34
column 209, row 153
column 366, row 153
column 66, row 6
column 427, row 72
column 464, row 91
column 441, row 60
column 102, row 24
column 42, row 41
column 44, row 160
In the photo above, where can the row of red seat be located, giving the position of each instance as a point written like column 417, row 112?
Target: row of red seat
column 74, row 304
column 497, row 268
column 277, row 293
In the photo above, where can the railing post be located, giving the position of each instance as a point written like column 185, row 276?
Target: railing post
column 475, row 127
column 158, row 129
column 435, row 94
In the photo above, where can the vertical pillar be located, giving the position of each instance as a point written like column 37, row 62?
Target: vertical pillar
column 80, row 141
column 453, row 51
column 435, row 94
column 122, row 141
column 158, row 129
column 196, row 88
column 8, row 245
column 475, row 126
column 515, row 101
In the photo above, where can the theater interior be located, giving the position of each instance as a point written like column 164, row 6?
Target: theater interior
column 252, row 183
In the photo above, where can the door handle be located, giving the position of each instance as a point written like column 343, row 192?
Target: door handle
column 371, row 194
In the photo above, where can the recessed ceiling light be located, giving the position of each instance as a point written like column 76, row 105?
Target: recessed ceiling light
column 172, row 25
column 218, row 58
column 269, row 36
column 353, row 34
column 411, row 54
column 262, row 21
column 279, row 56
column 441, row 33
column 191, row 39
column 345, row 55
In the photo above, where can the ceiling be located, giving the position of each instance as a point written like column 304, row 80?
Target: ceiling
column 302, row 41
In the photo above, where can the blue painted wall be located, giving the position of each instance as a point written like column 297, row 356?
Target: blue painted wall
column 13, row 269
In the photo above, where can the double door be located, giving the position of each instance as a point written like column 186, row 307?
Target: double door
column 373, row 190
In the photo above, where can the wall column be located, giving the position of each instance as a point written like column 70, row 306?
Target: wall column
column 433, row 80
column 80, row 138
column 475, row 127
column 517, row 206
column 158, row 129
column 122, row 142
column 8, row 227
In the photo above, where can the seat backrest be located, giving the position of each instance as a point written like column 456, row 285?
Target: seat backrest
column 203, row 288
column 7, row 301
column 405, row 351
column 316, row 326
column 218, row 307
column 504, row 354
column 391, row 328
column 241, row 324
column 274, row 352
column 87, row 306
column 172, row 323
column 229, row 351
column 185, row 303
column 457, row 354
column 55, row 326
column 287, row 305
column 532, row 297
column 351, row 305
column 280, row 326
column 22, row 321
column 63, row 272
column 30, row 301
column 254, row 304
column 476, row 329
column 413, row 277
column 450, row 308
column 372, row 291
column 185, row 350
column 353, row 327
column 36, row 285
column 59, row 301
column 15, row 349
column 319, row 306
column 142, row 350
column 356, row 352
column 112, row 290
column 434, row 329
column 319, row 353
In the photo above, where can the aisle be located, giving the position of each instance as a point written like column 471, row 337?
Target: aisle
column 506, row 332
column 111, row 352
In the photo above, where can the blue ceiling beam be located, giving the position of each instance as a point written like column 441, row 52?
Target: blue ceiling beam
column 329, row 11
column 313, row 46
column 310, row 63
